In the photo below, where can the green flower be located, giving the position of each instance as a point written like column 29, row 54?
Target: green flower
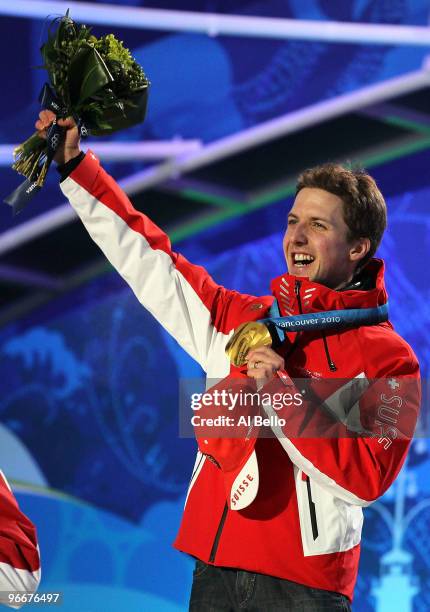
column 96, row 80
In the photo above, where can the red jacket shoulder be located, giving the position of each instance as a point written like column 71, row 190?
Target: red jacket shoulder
column 242, row 307
column 385, row 352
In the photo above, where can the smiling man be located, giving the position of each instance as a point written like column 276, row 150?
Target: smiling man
column 329, row 233
column 317, row 244
column 274, row 523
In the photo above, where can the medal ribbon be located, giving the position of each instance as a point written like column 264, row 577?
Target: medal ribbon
column 22, row 195
column 328, row 319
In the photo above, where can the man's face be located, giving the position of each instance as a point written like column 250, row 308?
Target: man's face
column 315, row 243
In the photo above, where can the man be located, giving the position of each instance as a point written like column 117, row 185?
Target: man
column 275, row 524
column 19, row 552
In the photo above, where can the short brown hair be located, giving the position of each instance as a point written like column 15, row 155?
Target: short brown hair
column 364, row 208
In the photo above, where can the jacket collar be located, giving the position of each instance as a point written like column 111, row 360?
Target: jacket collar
column 293, row 291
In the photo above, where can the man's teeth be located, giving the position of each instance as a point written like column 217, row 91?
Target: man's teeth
column 303, row 260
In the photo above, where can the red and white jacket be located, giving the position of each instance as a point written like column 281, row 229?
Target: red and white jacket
column 304, row 523
column 19, row 552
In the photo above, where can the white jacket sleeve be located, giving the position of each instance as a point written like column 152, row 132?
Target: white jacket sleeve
column 181, row 296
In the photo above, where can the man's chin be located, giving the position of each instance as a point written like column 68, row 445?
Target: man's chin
column 305, row 272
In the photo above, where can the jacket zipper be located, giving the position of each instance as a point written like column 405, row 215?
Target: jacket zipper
column 330, row 362
column 295, row 342
column 312, row 512
column 297, row 286
column 218, row 534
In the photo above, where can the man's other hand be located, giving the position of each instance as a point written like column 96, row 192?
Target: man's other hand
column 263, row 363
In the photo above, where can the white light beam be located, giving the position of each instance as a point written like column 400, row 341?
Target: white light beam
column 124, row 151
column 223, row 25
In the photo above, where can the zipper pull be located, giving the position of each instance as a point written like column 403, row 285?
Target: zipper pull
column 212, row 459
column 283, row 376
column 330, row 362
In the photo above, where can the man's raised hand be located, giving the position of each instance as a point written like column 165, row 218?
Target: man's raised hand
column 69, row 148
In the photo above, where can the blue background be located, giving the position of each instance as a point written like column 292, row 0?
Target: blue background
column 89, row 383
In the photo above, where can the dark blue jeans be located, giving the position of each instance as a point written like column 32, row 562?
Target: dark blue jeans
column 221, row 589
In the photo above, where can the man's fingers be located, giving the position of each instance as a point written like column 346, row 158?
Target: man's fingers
column 41, row 129
column 46, row 117
column 262, row 376
column 265, row 357
column 264, row 351
column 68, row 122
column 259, row 368
column 44, row 121
column 47, row 114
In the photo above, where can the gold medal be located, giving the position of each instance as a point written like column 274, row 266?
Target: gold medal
column 247, row 336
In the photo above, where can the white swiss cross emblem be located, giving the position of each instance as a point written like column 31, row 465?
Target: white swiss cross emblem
column 392, row 382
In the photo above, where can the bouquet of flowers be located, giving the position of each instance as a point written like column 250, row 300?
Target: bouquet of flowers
column 95, row 80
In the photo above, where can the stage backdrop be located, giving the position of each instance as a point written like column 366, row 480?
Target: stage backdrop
column 89, row 428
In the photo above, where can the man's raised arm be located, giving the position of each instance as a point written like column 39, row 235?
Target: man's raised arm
column 181, row 296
